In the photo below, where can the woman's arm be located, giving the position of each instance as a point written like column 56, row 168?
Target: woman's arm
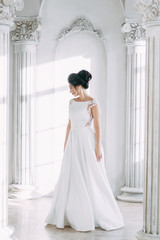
column 67, row 132
column 96, row 116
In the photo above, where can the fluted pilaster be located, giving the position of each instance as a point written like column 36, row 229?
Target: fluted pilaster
column 150, row 11
column 134, row 36
column 25, row 38
column 7, row 10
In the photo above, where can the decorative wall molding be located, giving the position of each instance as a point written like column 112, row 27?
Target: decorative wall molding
column 27, row 29
column 80, row 25
column 8, row 9
column 133, row 32
column 149, row 9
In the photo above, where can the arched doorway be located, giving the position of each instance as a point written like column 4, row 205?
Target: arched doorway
column 76, row 51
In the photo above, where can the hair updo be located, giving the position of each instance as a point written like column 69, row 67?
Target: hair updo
column 81, row 78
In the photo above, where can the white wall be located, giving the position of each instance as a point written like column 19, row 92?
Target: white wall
column 106, row 15
column 31, row 8
column 130, row 9
column 108, row 83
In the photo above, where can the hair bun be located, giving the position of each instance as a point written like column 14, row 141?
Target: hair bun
column 84, row 75
column 81, row 78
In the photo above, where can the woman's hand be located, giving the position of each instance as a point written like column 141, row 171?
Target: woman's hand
column 98, row 153
column 67, row 133
column 96, row 116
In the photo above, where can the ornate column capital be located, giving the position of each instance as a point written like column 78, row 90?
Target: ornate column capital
column 8, row 9
column 149, row 9
column 27, row 29
column 133, row 32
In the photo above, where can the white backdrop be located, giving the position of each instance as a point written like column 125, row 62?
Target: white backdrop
column 107, row 64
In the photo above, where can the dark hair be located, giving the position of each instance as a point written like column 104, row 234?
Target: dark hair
column 81, row 78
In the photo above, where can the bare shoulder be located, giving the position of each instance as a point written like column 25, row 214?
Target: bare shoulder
column 90, row 98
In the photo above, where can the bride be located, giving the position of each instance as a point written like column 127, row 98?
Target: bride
column 83, row 198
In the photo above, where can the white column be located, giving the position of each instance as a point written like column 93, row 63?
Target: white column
column 134, row 36
column 7, row 9
column 25, row 39
column 151, row 212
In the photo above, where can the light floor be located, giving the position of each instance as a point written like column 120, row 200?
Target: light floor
column 27, row 217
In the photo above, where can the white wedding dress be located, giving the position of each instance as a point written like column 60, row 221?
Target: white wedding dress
column 83, row 198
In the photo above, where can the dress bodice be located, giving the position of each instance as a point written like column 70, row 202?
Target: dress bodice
column 80, row 113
